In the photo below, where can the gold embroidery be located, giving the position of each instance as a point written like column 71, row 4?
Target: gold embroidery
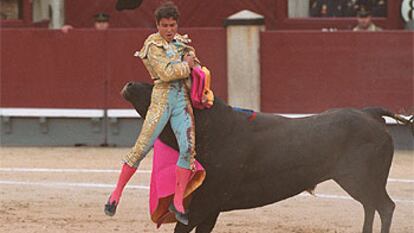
column 163, row 61
column 159, row 99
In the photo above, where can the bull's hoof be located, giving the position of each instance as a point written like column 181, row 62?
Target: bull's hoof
column 181, row 217
column 110, row 208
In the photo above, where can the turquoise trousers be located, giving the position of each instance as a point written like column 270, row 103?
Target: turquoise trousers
column 170, row 102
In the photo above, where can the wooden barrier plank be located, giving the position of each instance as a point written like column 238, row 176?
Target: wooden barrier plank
column 308, row 72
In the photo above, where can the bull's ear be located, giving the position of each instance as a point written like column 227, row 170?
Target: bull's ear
column 127, row 4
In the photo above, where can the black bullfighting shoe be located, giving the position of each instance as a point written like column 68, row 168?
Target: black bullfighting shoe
column 110, row 208
column 181, row 217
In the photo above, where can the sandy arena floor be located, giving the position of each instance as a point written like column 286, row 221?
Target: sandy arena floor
column 64, row 190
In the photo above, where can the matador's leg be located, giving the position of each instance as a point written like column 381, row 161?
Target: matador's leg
column 155, row 121
column 182, row 123
column 157, row 117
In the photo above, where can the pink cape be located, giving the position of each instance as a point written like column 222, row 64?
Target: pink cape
column 163, row 182
column 197, row 87
column 201, row 95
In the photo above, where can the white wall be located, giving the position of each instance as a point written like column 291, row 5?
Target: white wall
column 49, row 9
column 298, row 8
column 243, row 60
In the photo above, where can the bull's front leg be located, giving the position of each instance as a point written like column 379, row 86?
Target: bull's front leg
column 208, row 224
column 181, row 228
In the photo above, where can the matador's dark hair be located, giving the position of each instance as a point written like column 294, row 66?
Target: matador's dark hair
column 167, row 10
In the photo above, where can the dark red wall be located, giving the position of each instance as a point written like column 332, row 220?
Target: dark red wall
column 122, row 67
column 42, row 68
column 283, row 22
column 201, row 13
column 198, row 13
column 87, row 68
column 212, row 13
column 307, row 72
column 301, row 71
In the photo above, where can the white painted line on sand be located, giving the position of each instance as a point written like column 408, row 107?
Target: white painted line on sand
column 400, row 180
column 86, row 170
column 111, row 186
column 329, row 196
column 66, row 184
column 69, row 170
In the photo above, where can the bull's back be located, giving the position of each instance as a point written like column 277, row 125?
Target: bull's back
column 292, row 155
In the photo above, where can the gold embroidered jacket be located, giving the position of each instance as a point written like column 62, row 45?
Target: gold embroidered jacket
column 163, row 60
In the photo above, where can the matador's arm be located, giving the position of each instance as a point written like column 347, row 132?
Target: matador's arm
column 166, row 69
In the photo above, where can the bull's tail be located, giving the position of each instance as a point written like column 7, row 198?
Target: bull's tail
column 380, row 112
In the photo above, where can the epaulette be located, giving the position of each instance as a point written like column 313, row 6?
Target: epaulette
column 182, row 38
column 157, row 40
column 153, row 39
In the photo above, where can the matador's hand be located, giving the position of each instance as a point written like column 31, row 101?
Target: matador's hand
column 189, row 59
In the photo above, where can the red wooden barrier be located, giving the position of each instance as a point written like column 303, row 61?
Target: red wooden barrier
column 301, row 71
column 87, row 68
column 48, row 69
column 308, row 72
column 210, row 45
column 122, row 65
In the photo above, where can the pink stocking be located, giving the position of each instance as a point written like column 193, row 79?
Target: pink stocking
column 183, row 176
column 124, row 177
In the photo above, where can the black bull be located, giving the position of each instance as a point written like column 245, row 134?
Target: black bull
column 254, row 163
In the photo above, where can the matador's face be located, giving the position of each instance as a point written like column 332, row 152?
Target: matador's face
column 167, row 28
